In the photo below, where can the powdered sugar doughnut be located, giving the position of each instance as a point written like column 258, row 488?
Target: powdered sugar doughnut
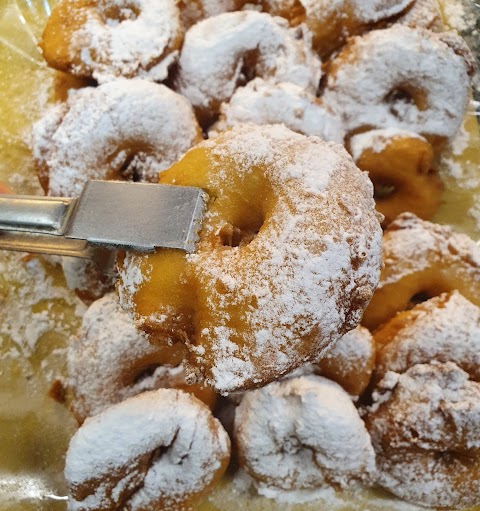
column 193, row 11
column 332, row 22
column 225, row 51
column 404, row 78
column 265, row 102
column 287, row 259
column 159, row 450
column 350, row 362
column 123, row 130
column 422, row 260
column 445, row 328
column 107, row 39
column 110, row 360
column 399, row 163
column 302, row 434
column 425, row 427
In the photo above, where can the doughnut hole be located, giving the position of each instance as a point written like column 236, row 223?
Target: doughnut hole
column 113, row 14
column 402, row 176
column 403, row 97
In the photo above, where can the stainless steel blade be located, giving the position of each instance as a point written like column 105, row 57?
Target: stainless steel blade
column 109, row 214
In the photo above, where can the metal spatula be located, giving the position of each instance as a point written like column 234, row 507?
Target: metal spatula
column 108, row 214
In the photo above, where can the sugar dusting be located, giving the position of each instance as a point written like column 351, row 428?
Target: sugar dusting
column 107, row 356
column 411, row 245
column 142, row 44
column 159, row 446
column 364, row 85
column 296, row 273
column 303, row 434
column 28, row 298
column 136, row 124
column 425, row 428
column 216, row 50
column 377, row 140
column 445, row 328
column 267, row 102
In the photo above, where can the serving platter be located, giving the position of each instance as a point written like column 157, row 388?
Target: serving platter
column 38, row 313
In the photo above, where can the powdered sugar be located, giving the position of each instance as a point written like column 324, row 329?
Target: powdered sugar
column 266, row 102
column 377, row 140
column 426, row 434
column 221, row 52
column 426, row 91
column 445, row 328
column 425, row 14
column 107, row 358
column 158, row 447
column 123, row 129
column 140, row 39
column 303, row 433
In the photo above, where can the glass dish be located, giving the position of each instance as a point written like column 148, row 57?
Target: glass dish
column 38, row 313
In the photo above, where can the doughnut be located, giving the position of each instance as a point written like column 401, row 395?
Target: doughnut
column 423, row 14
column 399, row 163
column 265, row 102
column 87, row 280
column 401, row 77
column 302, row 434
column 287, row 258
column 422, row 260
column 159, row 450
column 110, row 360
column 108, row 39
column 445, row 328
column 425, row 428
column 123, row 130
column 193, row 11
column 223, row 52
column 332, row 22
column 350, row 362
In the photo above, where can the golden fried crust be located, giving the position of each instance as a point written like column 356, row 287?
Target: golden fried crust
column 351, row 361
column 403, row 177
column 421, row 261
column 67, row 18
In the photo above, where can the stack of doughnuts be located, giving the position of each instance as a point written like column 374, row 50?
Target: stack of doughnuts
column 274, row 108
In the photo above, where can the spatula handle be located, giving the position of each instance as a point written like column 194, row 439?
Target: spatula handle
column 42, row 215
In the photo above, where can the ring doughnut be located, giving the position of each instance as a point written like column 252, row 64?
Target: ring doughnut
column 302, row 434
column 223, row 52
column 426, row 91
column 445, row 328
column 193, row 11
column 108, row 39
column 425, row 427
column 332, row 22
column 422, row 260
column 110, row 360
column 350, row 362
column 274, row 281
column 399, row 163
column 159, row 450
column 265, row 102
column 121, row 130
